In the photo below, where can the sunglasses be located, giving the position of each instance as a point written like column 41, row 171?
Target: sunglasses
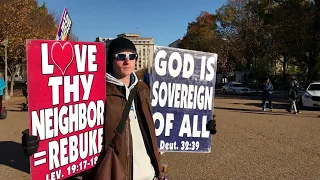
column 122, row 57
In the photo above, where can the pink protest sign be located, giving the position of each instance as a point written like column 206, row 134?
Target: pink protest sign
column 66, row 86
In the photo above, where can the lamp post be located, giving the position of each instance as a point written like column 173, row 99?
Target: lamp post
column 5, row 44
column 268, row 38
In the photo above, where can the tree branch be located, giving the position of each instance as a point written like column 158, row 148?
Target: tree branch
column 279, row 58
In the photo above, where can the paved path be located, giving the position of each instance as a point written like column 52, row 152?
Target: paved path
column 13, row 165
column 250, row 144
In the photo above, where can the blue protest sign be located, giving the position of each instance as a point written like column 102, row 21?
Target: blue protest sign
column 182, row 98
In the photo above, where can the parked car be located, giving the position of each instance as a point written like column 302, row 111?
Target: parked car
column 235, row 88
column 311, row 96
column 301, row 91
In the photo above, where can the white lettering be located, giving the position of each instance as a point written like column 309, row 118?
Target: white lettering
column 188, row 61
column 185, row 126
column 158, row 117
column 175, row 64
column 55, row 83
column 175, row 72
column 67, row 150
column 48, row 123
column 160, row 67
column 169, row 125
column 92, row 50
column 182, row 96
column 80, row 59
column 71, row 88
column 45, row 66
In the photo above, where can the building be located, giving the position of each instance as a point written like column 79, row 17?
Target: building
column 106, row 40
column 176, row 43
column 145, row 48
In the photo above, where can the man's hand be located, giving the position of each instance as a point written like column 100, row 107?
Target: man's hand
column 211, row 126
column 30, row 143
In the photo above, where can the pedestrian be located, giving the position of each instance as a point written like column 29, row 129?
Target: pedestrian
column 290, row 85
column 25, row 92
column 136, row 147
column 267, row 91
column 2, row 87
column 293, row 97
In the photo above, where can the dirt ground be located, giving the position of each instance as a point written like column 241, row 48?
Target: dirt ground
column 249, row 144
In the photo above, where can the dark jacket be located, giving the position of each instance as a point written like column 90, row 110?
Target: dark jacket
column 267, row 89
column 25, row 90
column 115, row 103
column 293, row 93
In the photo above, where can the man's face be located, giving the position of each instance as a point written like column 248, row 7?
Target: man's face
column 124, row 63
column 267, row 81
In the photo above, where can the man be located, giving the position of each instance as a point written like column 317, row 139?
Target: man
column 25, row 94
column 136, row 147
column 294, row 97
column 267, row 94
column 2, row 87
column 142, row 146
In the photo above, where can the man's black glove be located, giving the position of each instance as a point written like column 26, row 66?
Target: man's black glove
column 211, row 126
column 30, row 143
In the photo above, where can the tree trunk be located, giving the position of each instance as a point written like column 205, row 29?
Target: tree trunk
column 11, row 85
column 284, row 68
column 12, row 80
column 246, row 79
column 314, row 46
column 312, row 72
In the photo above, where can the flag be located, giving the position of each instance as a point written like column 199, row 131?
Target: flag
column 64, row 27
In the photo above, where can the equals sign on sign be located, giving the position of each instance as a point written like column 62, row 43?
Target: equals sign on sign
column 41, row 156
